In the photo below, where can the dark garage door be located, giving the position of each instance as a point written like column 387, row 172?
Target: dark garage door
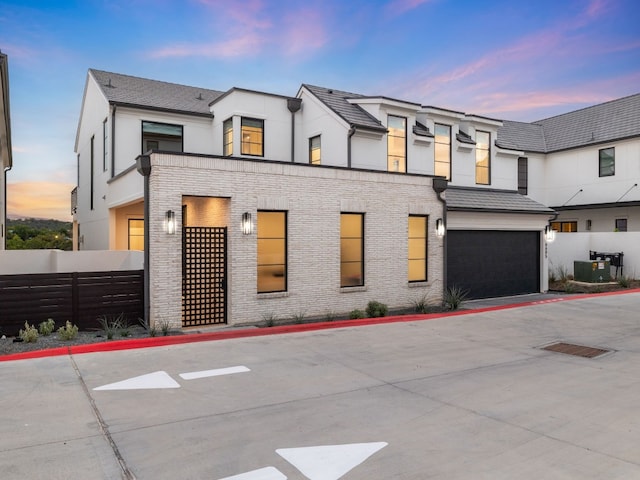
column 493, row 263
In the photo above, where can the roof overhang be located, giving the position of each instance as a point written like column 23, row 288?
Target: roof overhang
column 595, row 206
column 487, row 200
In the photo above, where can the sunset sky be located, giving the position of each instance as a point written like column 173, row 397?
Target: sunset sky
column 518, row 60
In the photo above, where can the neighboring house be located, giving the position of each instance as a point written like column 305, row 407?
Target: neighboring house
column 253, row 205
column 5, row 145
column 586, row 166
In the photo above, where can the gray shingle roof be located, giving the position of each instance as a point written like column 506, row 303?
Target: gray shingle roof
column 521, row 136
column 597, row 124
column 605, row 122
column 490, row 200
column 465, row 138
column 145, row 93
column 336, row 100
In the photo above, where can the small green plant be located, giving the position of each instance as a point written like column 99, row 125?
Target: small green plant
column 299, row 317
column 269, row 319
column 454, row 297
column 376, row 309
column 165, row 327
column 29, row 334
column 111, row 324
column 46, row 328
column 569, row 287
column 68, row 332
column 624, row 282
column 422, row 304
column 124, row 328
column 563, row 273
column 356, row 313
column 330, row 316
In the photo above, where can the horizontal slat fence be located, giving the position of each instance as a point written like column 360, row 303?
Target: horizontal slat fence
column 81, row 297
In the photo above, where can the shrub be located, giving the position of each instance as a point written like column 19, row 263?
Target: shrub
column 330, row 316
column 46, row 328
column 68, row 332
column 624, row 282
column 422, row 304
column 356, row 313
column 124, row 328
column 376, row 309
column 29, row 334
column 299, row 317
column 111, row 324
column 454, row 297
column 269, row 319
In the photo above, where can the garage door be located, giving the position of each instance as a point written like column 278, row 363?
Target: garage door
column 493, row 263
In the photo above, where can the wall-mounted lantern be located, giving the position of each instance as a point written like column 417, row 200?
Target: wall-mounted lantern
column 549, row 234
column 440, row 227
column 170, row 222
column 247, row 224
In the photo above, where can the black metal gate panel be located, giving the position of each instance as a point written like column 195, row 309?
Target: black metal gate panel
column 204, row 276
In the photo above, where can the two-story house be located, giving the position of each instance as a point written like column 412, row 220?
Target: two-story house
column 5, row 145
column 252, row 205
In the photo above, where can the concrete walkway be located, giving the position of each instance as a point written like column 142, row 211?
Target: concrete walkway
column 469, row 396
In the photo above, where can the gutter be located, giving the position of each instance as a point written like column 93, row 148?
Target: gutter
column 293, row 104
column 143, row 165
column 352, row 131
column 113, row 140
column 439, row 185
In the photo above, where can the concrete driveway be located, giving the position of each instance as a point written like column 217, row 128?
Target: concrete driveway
column 472, row 396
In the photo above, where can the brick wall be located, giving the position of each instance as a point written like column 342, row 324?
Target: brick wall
column 314, row 198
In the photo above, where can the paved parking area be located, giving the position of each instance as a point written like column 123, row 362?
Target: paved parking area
column 472, row 396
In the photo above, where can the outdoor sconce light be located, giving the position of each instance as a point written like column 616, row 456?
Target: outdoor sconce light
column 549, row 234
column 170, row 222
column 440, row 227
column 247, row 224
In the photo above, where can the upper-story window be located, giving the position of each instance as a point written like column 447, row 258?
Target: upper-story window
column 227, row 137
column 443, row 150
column 621, row 225
column 397, row 144
column 252, row 132
column 607, row 162
column 315, row 150
column 565, row 227
column 483, row 158
column 523, row 175
column 161, row 136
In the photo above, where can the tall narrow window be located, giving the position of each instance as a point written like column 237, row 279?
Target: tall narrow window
column 227, row 137
column 417, row 248
column 252, row 132
column 272, row 251
column 607, row 162
column 314, row 150
column 136, row 234
column 396, row 144
column 523, row 175
column 92, row 172
column 443, row 150
column 104, row 145
column 161, row 136
column 351, row 249
column 483, row 158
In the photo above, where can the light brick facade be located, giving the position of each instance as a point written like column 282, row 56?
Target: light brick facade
column 314, row 197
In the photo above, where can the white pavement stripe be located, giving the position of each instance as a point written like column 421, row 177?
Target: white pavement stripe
column 329, row 462
column 160, row 379
column 267, row 473
column 214, row 373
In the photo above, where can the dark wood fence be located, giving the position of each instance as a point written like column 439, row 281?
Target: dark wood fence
column 81, row 297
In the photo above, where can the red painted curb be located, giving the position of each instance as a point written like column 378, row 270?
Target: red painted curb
column 257, row 332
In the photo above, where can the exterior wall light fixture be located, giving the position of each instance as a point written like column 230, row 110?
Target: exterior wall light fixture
column 170, row 222
column 247, row 224
column 549, row 234
column 440, row 227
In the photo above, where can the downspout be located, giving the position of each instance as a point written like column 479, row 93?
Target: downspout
column 352, row 131
column 293, row 104
column 439, row 185
column 143, row 165
column 113, row 141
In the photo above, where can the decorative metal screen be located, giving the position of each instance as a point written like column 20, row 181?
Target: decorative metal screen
column 204, row 276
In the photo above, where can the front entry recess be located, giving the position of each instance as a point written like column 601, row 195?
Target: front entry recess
column 204, row 276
